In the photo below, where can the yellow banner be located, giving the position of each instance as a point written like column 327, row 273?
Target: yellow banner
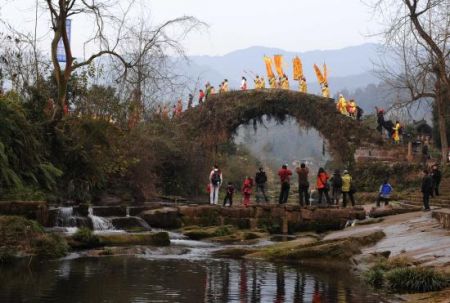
column 269, row 70
column 298, row 68
column 278, row 59
column 325, row 73
column 319, row 75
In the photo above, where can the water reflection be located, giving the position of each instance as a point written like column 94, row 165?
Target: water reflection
column 128, row 279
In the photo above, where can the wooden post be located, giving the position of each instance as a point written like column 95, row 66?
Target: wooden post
column 285, row 228
column 409, row 157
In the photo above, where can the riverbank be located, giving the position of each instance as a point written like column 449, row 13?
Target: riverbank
column 414, row 236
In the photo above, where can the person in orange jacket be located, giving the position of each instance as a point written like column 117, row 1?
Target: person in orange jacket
column 247, row 188
column 322, row 185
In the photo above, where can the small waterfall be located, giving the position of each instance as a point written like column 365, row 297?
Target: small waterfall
column 66, row 217
column 99, row 223
column 128, row 211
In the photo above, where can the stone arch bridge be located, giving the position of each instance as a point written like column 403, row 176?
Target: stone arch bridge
column 217, row 120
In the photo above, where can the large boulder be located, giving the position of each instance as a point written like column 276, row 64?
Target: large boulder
column 130, row 224
column 116, row 239
column 166, row 217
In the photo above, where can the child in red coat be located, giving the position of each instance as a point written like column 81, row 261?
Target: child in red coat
column 247, row 190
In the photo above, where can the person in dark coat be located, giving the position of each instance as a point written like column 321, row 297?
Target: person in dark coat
column 380, row 119
column 359, row 113
column 427, row 189
column 336, row 184
column 303, row 184
column 436, row 176
column 229, row 195
column 261, row 181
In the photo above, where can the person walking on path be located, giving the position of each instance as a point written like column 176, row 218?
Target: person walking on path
column 228, row 201
column 336, row 184
column 427, row 189
column 247, row 189
column 261, row 181
column 322, row 185
column 384, row 193
column 215, row 179
column 303, row 184
column 285, row 174
column 347, row 189
column 425, row 154
column 436, row 176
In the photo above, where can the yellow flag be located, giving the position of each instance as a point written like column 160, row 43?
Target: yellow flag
column 325, row 73
column 319, row 75
column 269, row 70
column 298, row 68
column 278, row 59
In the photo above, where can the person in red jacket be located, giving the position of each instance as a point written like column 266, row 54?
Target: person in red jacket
column 322, row 185
column 285, row 175
column 201, row 97
column 247, row 190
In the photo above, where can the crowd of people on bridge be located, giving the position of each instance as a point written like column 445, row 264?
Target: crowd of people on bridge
column 347, row 108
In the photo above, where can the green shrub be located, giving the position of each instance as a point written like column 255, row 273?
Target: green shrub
column 374, row 277
column 86, row 238
column 50, row 246
column 15, row 230
column 416, row 279
column 106, row 252
column 223, row 231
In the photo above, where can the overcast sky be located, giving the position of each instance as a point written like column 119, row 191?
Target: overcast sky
column 235, row 24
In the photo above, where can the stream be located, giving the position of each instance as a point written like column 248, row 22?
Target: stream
column 184, row 272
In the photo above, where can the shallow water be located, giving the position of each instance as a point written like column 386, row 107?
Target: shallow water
column 132, row 279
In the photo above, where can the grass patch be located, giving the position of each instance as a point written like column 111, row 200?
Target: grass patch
column 86, row 238
column 20, row 236
column 400, row 275
column 50, row 246
column 415, row 279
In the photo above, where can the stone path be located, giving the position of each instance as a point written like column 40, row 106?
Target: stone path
column 416, row 235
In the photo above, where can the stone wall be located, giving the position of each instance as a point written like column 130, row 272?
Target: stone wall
column 33, row 210
column 273, row 218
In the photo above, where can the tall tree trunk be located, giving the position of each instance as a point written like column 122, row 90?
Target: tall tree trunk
column 62, row 94
column 442, row 95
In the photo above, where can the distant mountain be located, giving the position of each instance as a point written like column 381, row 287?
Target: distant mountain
column 349, row 67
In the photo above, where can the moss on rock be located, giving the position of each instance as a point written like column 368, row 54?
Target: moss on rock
column 199, row 233
column 340, row 249
column 156, row 239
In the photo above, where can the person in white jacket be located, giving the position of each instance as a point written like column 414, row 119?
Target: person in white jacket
column 244, row 83
column 215, row 180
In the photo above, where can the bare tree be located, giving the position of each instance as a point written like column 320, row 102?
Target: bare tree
column 21, row 62
column 154, row 53
column 101, row 12
column 418, row 33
